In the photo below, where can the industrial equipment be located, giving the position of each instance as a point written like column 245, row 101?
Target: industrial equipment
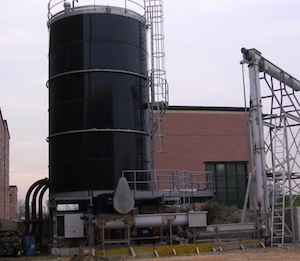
column 274, row 119
column 107, row 97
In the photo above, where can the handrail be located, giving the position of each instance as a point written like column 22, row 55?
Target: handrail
column 57, row 7
column 168, row 180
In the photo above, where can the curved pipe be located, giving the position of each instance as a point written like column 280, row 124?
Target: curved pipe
column 97, row 130
column 27, row 203
column 97, row 70
column 33, row 205
column 40, row 228
column 41, row 200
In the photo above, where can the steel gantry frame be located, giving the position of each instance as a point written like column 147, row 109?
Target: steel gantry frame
column 274, row 121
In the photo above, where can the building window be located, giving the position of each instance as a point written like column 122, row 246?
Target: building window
column 230, row 180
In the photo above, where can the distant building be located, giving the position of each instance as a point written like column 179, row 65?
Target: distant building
column 8, row 194
column 208, row 139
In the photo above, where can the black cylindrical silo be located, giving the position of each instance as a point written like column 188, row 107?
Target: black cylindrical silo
column 98, row 98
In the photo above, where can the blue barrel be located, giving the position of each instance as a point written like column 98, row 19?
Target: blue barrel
column 29, row 245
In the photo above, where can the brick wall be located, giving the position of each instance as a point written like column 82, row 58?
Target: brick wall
column 6, row 205
column 194, row 135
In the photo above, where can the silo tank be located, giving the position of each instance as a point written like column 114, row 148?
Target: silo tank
column 98, row 99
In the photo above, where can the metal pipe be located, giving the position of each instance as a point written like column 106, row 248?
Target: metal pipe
column 33, row 206
column 289, row 173
column 171, row 232
column 279, row 74
column 41, row 200
column 150, row 220
column 97, row 130
column 27, row 203
column 253, row 58
column 252, row 55
column 40, row 229
column 113, row 224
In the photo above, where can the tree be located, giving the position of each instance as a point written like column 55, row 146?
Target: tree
column 21, row 209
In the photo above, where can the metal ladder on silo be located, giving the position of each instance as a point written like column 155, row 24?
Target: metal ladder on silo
column 278, row 195
column 158, row 86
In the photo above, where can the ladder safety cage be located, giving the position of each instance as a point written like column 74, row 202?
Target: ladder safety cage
column 158, row 86
column 275, row 131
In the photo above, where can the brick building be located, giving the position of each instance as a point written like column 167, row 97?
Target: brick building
column 8, row 194
column 212, row 139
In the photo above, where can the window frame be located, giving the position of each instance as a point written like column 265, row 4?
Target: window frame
column 229, row 192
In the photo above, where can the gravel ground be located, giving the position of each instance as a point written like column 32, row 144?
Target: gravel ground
column 284, row 253
column 275, row 253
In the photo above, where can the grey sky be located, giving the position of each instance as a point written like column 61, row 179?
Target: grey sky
column 202, row 44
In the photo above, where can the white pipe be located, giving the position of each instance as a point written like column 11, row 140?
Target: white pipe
column 156, row 220
column 280, row 75
column 151, row 220
column 115, row 224
column 251, row 55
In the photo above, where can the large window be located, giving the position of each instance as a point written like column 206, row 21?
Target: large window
column 230, row 180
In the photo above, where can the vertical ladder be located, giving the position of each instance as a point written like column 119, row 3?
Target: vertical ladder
column 158, row 86
column 278, row 213
column 278, row 195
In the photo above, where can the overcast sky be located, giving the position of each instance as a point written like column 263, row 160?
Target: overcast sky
column 202, row 44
